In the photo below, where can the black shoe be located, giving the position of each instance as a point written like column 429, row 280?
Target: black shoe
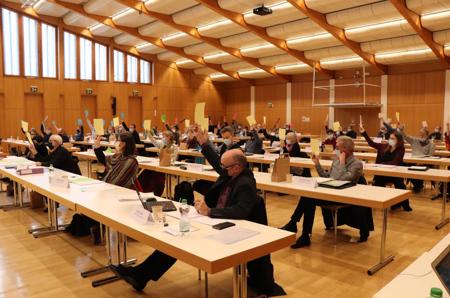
column 290, row 227
column 302, row 241
column 407, row 208
column 127, row 275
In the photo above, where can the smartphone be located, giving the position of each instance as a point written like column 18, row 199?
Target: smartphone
column 223, row 225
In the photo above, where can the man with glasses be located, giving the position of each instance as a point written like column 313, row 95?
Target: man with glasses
column 232, row 196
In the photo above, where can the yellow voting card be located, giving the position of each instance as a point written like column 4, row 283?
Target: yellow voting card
column 336, row 126
column 251, row 120
column 315, row 147
column 98, row 126
column 199, row 114
column 24, row 125
column 264, row 119
column 116, row 121
column 204, row 123
column 187, row 123
column 147, row 125
column 29, row 137
column 282, row 134
column 397, row 116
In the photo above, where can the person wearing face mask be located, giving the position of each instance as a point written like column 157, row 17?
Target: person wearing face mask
column 420, row 146
column 133, row 131
column 390, row 154
column 344, row 167
column 254, row 145
column 331, row 139
column 436, row 135
column 232, row 196
column 382, row 133
column 228, row 143
column 292, row 147
column 59, row 157
column 122, row 167
column 79, row 135
column 351, row 131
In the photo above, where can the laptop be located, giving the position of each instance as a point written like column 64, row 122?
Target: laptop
column 167, row 206
column 441, row 266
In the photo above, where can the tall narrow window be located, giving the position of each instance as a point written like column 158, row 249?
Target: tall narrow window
column 10, row 42
column 132, row 69
column 70, row 56
column 48, row 37
column 85, row 59
column 119, row 66
column 145, row 72
column 30, row 47
column 101, row 64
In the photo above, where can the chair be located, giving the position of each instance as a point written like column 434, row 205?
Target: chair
column 334, row 213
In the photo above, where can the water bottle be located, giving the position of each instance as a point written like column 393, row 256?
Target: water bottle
column 51, row 171
column 184, row 219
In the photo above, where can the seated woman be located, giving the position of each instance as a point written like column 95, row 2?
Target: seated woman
column 58, row 156
column 389, row 154
column 152, row 181
column 122, row 167
column 291, row 146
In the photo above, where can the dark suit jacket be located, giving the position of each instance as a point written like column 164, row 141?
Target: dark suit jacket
column 242, row 202
column 61, row 159
column 296, row 152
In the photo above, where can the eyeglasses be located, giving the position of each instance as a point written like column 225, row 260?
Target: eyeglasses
column 228, row 167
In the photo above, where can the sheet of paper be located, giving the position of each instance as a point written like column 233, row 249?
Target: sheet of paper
column 187, row 122
column 147, row 125
column 315, row 146
column 282, row 134
column 424, row 124
column 29, row 137
column 116, row 121
column 251, row 120
column 397, row 116
column 98, row 126
column 163, row 118
column 264, row 120
column 79, row 122
column 360, row 120
column 336, row 126
column 24, row 125
column 232, row 235
column 86, row 113
column 122, row 115
column 199, row 113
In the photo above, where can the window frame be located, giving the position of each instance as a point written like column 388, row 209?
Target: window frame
column 19, row 37
column 94, row 60
column 39, row 47
column 41, row 69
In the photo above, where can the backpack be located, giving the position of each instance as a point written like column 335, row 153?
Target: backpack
column 184, row 191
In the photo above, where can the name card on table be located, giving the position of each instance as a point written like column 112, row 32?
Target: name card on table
column 141, row 215
column 377, row 140
column 304, row 181
column 271, row 156
column 194, row 167
column 59, row 181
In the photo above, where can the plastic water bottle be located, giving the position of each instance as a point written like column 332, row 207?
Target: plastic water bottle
column 184, row 218
column 51, row 172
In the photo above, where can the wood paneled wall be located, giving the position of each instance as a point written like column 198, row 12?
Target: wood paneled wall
column 174, row 93
column 416, row 91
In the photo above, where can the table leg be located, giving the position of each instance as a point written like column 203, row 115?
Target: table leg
column 17, row 199
column 240, row 281
column 54, row 227
column 383, row 261
column 89, row 167
column 444, row 220
column 120, row 257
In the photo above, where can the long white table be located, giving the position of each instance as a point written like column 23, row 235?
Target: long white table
column 107, row 207
column 361, row 195
column 418, row 278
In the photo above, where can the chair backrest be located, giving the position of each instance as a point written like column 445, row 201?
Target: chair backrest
column 259, row 214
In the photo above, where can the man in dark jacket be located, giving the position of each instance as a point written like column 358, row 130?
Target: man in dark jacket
column 232, row 196
column 59, row 157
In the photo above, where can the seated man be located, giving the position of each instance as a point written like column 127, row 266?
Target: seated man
column 344, row 167
column 233, row 196
column 59, row 156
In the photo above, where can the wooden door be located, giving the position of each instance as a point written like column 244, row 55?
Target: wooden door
column 89, row 102
column 34, row 110
column 135, row 111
